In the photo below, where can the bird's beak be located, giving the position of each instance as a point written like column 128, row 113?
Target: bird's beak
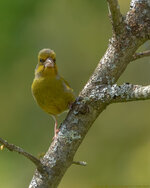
column 49, row 63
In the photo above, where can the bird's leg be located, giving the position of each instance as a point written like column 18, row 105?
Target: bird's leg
column 55, row 127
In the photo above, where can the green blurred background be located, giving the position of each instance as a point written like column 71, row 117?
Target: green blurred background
column 117, row 147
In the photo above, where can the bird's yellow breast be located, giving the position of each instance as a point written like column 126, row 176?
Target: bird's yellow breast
column 52, row 94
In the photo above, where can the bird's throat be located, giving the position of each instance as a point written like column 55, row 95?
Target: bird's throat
column 46, row 72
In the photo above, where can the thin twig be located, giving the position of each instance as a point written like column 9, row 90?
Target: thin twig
column 141, row 55
column 82, row 163
column 12, row 147
column 115, row 14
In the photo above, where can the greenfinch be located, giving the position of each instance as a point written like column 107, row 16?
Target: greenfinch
column 52, row 93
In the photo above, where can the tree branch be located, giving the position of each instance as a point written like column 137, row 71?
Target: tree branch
column 116, row 16
column 12, row 147
column 129, row 92
column 82, row 163
column 141, row 55
column 123, row 93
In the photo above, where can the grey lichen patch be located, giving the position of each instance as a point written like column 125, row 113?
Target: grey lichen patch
column 81, row 106
column 75, row 121
column 122, row 92
column 136, row 93
column 70, row 135
column 111, row 92
column 50, row 160
column 146, row 92
column 33, row 183
column 36, row 180
column 141, row 92
column 99, row 93
column 133, row 2
column 74, row 135
column 75, row 112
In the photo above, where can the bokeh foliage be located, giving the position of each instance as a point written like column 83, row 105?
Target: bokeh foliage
column 117, row 147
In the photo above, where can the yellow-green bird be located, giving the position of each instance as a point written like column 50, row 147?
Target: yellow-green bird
column 52, row 93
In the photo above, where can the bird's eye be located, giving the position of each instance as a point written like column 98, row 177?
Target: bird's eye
column 41, row 60
column 54, row 60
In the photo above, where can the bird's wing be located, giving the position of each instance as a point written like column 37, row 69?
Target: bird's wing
column 66, row 85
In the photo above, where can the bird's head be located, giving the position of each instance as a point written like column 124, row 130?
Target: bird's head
column 46, row 63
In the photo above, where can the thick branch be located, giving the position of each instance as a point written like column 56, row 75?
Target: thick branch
column 12, row 147
column 116, row 16
column 141, row 55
